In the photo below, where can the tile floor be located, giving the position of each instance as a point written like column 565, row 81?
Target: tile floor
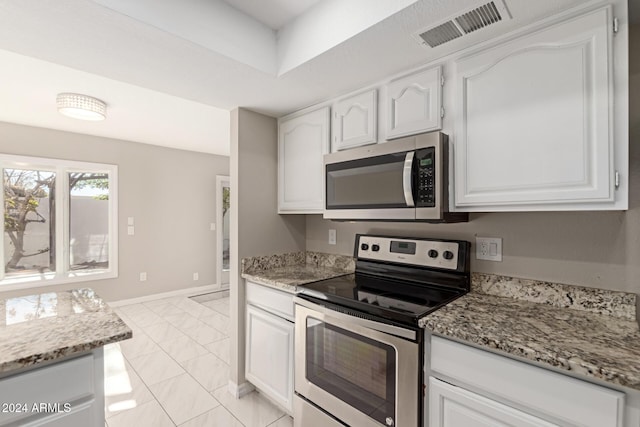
column 175, row 370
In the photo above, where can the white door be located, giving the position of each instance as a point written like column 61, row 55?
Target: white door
column 302, row 143
column 534, row 126
column 223, row 215
column 269, row 355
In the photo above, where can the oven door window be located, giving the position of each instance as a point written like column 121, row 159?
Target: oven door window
column 357, row 370
column 374, row 182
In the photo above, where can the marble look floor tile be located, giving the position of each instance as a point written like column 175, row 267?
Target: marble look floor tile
column 221, row 349
column 162, row 301
column 156, row 367
column 285, row 421
column 130, row 309
column 182, row 348
column 183, row 321
column 208, row 370
column 205, row 334
column 183, row 398
column 149, row 414
column 139, row 345
column 218, row 417
column 166, row 309
column 252, row 410
column 145, row 317
column 123, row 388
column 216, row 320
column 221, row 306
column 163, row 331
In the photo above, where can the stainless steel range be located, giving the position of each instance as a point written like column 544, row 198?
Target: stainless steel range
column 358, row 349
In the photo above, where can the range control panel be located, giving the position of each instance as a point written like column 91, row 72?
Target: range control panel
column 421, row 252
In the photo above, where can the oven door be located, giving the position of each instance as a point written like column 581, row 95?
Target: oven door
column 356, row 369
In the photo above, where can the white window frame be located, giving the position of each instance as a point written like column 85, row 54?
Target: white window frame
column 63, row 274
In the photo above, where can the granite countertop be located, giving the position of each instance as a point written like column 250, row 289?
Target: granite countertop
column 288, row 271
column 54, row 325
column 589, row 332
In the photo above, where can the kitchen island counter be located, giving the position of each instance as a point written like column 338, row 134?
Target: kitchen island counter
column 44, row 328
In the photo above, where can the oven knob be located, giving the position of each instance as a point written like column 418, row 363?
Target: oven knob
column 447, row 255
column 433, row 253
column 389, row 421
column 375, row 248
column 364, row 246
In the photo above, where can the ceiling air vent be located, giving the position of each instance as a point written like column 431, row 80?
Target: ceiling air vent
column 465, row 23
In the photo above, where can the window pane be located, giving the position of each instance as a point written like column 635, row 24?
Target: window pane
column 88, row 221
column 29, row 225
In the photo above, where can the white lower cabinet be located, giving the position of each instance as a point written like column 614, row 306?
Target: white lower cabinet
column 469, row 387
column 68, row 393
column 453, row 406
column 269, row 352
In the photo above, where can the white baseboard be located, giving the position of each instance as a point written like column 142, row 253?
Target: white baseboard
column 189, row 292
column 238, row 391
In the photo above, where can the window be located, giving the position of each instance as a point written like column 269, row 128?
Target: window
column 60, row 222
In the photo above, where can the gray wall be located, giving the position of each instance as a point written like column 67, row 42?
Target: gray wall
column 595, row 249
column 256, row 228
column 170, row 193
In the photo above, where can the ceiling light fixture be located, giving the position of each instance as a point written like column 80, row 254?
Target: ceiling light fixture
column 81, row 107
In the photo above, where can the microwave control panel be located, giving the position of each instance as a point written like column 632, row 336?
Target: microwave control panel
column 426, row 176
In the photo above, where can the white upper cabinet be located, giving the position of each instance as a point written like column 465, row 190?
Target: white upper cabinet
column 414, row 103
column 355, row 121
column 302, row 142
column 534, row 120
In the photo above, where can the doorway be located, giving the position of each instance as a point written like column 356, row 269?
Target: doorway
column 223, row 206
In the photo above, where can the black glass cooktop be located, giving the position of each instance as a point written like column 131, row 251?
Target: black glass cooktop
column 399, row 301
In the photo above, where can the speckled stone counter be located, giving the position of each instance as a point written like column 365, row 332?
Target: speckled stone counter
column 50, row 326
column 288, row 271
column 590, row 332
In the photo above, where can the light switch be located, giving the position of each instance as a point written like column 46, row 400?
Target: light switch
column 212, row 226
column 130, row 220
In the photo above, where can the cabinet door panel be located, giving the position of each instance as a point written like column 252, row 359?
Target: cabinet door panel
column 355, row 121
column 269, row 355
column 414, row 103
column 451, row 406
column 302, row 143
column 535, row 119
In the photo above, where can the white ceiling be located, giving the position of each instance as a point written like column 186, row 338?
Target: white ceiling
column 275, row 13
column 169, row 76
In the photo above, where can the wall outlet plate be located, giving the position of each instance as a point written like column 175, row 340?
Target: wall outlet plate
column 489, row 248
column 143, row 277
column 333, row 239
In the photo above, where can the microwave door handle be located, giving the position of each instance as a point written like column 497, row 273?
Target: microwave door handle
column 407, row 176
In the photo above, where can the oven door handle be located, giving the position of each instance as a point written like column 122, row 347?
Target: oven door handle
column 366, row 323
column 407, row 179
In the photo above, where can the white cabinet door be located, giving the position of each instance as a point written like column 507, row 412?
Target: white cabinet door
column 451, row 406
column 414, row 103
column 269, row 355
column 355, row 121
column 534, row 127
column 302, row 143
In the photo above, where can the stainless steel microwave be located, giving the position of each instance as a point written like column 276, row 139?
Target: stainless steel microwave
column 402, row 180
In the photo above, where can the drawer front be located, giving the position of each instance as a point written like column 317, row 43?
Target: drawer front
column 545, row 392
column 277, row 302
column 62, row 383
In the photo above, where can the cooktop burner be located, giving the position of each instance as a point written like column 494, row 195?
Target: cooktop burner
column 398, row 279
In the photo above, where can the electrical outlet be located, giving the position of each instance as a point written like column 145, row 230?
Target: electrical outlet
column 332, row 237
column 131, row 230
column 489, row 248
column 196, row 276
column 143, row 277
column 212, row 226
column 130, row 220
